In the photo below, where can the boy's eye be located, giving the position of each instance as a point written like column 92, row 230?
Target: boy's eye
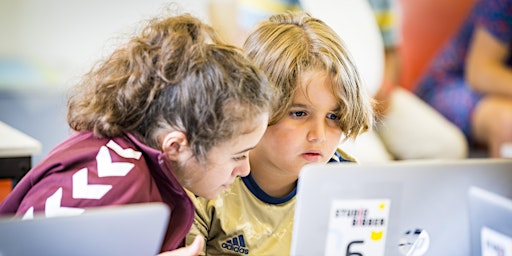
column 333, row 116
column 297, row 113
column 239, row 158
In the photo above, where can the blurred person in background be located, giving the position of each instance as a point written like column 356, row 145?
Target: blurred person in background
column 470, row 80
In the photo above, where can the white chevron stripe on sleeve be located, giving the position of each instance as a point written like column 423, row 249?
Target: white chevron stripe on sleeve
column 107, row 168
column 29, row 214
column 53, row 206
column 83, row 190
column 126, row 153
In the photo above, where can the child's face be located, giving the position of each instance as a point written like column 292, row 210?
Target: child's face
column 224, row 162
column 309, row 132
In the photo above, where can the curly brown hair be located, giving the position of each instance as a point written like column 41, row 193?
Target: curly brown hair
column 176, row 75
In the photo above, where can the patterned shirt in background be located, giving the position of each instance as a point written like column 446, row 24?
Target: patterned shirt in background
column 443, row 85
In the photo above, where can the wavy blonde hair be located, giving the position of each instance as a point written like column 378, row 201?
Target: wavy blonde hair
column 288, row 45
column 176, row 75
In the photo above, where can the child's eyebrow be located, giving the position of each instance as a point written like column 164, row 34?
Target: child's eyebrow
column 243, row 151
column 337, row 109
column 299, row 105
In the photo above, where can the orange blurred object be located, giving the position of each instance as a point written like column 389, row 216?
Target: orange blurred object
column 426, row 26
column 5, row 188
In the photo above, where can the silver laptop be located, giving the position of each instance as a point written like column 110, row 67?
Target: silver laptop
column 490, row 216
column 397, row 208
column 136, row 229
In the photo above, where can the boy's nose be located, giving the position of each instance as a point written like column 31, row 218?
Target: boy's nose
column 317, row 131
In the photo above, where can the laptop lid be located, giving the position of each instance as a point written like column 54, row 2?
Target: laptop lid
column 135, row 229
column 490, row 216
column 392, row 208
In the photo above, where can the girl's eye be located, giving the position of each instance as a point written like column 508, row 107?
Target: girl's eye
column 239, row 158
column 297, row 113
column 333, row 117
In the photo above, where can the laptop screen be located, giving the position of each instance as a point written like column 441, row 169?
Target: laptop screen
column 490, row 216
column 393, row 208
column 135, row 229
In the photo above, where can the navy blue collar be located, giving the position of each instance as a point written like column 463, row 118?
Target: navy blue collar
column 251, row 184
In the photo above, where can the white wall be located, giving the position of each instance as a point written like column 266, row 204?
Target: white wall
column 64, row 37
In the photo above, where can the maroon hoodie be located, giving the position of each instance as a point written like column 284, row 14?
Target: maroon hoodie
column 84, row 171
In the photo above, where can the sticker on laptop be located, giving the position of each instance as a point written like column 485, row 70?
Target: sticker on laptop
column 494, row 243
column 358, row 227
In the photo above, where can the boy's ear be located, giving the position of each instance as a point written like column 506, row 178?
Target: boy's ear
column 174, row 144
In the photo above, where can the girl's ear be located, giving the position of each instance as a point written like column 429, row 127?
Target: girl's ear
column 174, row 144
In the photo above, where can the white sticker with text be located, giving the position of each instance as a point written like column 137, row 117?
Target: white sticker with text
column 358, row 227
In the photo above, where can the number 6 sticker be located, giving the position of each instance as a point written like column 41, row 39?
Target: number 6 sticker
column 358, row 227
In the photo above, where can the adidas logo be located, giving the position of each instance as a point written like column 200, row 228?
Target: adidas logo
column 236, row 244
